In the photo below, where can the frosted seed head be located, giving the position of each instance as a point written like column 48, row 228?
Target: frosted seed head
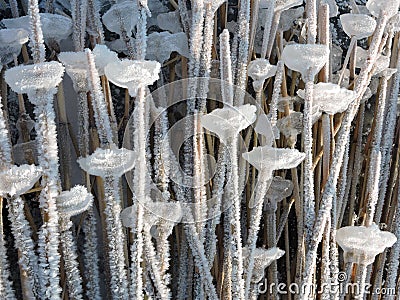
column 108, row 162
column 128, row 216
column 54, row 27
column 361, row 244
column 227, row 122
column 132, row 74
column 330, row 98
column 73, row 202
column 358, row 25
column 76, row 67
column 17, row 180
column 170, row 21
column 121, row 16
column 102, row 57
column 42, row 77
column 388, row 7
column 264, row 128
column 305, row 58
column 160, row 45
column 269, row 158
column 259, row 70
column 262, row 259
column 288, row 17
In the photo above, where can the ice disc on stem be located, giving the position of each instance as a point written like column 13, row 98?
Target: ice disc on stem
column 388, row 7
column 122, row 16
column 19, row 179
column 358, row 25
column 259, row 70
column 75, row 201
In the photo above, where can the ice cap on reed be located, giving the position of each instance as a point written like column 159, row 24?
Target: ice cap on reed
column 358, row 25
column 17, row 180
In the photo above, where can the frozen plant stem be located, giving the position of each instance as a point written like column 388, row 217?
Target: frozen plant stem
column 337, row 158
column 38, row 49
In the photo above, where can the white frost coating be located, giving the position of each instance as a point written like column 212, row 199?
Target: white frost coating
column 305, row 58
column 163, row 215
column 330, row 98
column 291, row 125
column 11, row 41
column 333, row 8
column 54, row 27
column 358, row 25
column 381, row 63
column 259, row 70
column 32, row 78
column 170, row 21
column 361, row 244
column 267, row 157
column 18, row 179
column 262, row 259
column 108, row 162
column 75, row 201
column 102, row 57
column 133, row 74
column 388, row 7
column 76, row 67
column 122, row 16
column 128, row 216
column 161, row 45
column 228, row 122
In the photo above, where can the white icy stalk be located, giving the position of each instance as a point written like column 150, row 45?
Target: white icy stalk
column 71, row 265
column 22, row 233
column 267, row 28
column 337, row 159
column 326, row 129
column 394, row 257
column 388, row 135
column 153, row 260
column 308, row 182
column 272, row 34
column 37, row 43
column 226, row 68
column 183, row 11
column 90, row 256
column 6, row 288
column 311, row 12
column 141, row 34
column 360, row 279
column 326, row 279
column 99, row 105
column 116, row 240
column 79, row 14
column 196, row 39
column 243, row 48
column 5, row 149
column 276, row 94
column 93, row 20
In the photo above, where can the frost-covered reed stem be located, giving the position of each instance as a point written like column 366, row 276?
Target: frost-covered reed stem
column 276, row 94
column 348, row 271
column 140, row 177
column 326, row 129
column 14, row 8
column 71, row 264
column 49, row 257
column 337, row 159
column 308, row 182
column 99, row 105
column 22, row 233
column 272, row 34
column 361, row 277
column 267, row 28
column 90, row 256
column 388, row 135
column 79, row 15
column 116, row 239
column 271, row 242
column 353, row 44
column 93, row 19
column 5, row 146
column 6, row 288
column 235, row 200
column 394, row 257
column 141, row 35
column 226, row 68
column 243, row 48
column 311, row 12
column 36, row 40
column 255, row 218
column 155, row 273
column 326, row 279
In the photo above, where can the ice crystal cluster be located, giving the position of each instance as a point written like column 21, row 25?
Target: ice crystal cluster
column 199, row 149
